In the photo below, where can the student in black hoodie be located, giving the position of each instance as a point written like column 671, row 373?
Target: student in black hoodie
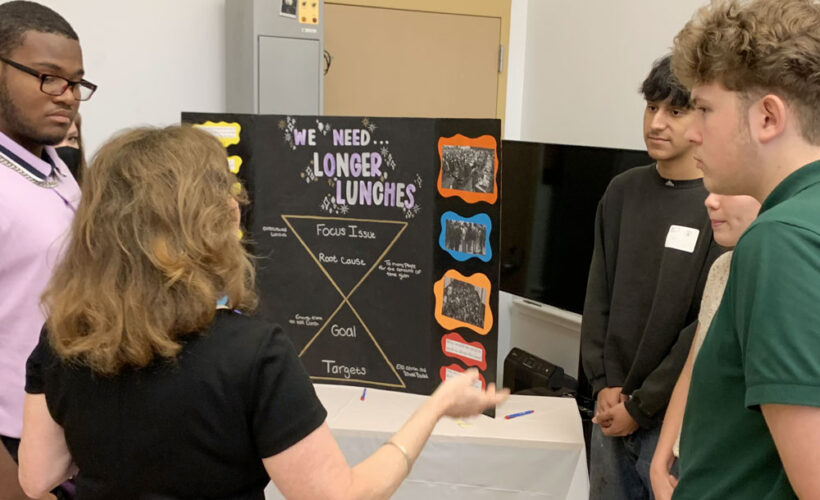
column 653, row 250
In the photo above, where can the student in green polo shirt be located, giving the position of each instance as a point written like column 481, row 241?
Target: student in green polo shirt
column 752, row 422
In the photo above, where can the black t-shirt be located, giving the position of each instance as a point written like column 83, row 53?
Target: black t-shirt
column 193, row 428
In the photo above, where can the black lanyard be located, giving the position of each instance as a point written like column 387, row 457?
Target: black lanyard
column 29, row 168
column 36, row 174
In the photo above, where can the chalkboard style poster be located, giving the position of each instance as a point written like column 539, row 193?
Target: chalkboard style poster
column 376, row 241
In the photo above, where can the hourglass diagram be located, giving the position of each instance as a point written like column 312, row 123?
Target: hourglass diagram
column 344, row 340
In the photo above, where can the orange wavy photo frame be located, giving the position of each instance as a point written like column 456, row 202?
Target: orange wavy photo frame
column 479, row 280
column 485, row 142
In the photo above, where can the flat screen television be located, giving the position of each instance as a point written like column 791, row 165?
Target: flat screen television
column 550, row 193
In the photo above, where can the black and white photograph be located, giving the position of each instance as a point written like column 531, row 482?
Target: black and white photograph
column 466, row 168
column 465, row 237
column 463, row 301
column 288, row 8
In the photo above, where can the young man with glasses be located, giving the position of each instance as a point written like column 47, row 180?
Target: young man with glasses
column 41, row 86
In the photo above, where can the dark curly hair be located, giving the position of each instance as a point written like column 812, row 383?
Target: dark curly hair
column 20, row 16
column 661, row 84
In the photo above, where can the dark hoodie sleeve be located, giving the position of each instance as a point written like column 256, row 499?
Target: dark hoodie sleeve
column 596, row 309
column 647, row 403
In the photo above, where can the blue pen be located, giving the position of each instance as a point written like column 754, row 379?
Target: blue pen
column 363, row 393
column 519, row 414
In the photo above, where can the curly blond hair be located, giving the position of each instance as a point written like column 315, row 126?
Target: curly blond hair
column 153, row 246
column 756, row 47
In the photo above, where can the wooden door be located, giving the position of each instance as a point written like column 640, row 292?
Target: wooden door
column 393, row 62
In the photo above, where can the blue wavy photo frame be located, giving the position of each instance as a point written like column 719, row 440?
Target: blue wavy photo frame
column 482, row 219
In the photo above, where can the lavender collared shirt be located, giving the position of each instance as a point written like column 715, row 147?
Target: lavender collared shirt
column 34, row 224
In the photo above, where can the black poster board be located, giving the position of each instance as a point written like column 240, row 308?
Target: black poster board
column 377, row 241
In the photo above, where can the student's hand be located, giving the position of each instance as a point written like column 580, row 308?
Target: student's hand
column 459, row 398
column 607, row 398
column 663, row 483
column 616, row 421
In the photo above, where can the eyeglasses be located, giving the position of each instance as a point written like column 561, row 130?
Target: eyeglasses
column 57, row 85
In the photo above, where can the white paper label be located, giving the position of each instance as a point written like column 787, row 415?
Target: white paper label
column 448, row 373
column 682, row 238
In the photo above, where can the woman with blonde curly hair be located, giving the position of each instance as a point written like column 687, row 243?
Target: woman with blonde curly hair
column 147, row 388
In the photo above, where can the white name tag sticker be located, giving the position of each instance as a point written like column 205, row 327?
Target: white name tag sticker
column 682, row 238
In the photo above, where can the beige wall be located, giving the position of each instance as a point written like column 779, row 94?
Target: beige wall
column 488, row 16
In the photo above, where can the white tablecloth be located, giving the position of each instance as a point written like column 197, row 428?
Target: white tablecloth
column 537, row 456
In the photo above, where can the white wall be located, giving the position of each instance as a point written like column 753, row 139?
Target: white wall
column 151, row 58
column 574, row 67
column 516, row 70
column 575, row 79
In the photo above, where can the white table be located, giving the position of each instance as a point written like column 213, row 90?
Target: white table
column 538, row 456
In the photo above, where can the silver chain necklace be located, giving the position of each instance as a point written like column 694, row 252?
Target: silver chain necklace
column 49, row 182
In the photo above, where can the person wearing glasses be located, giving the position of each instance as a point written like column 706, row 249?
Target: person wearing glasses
column 41, row 86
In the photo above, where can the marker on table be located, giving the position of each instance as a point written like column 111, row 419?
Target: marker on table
column 363, row 393
column 519, row 414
